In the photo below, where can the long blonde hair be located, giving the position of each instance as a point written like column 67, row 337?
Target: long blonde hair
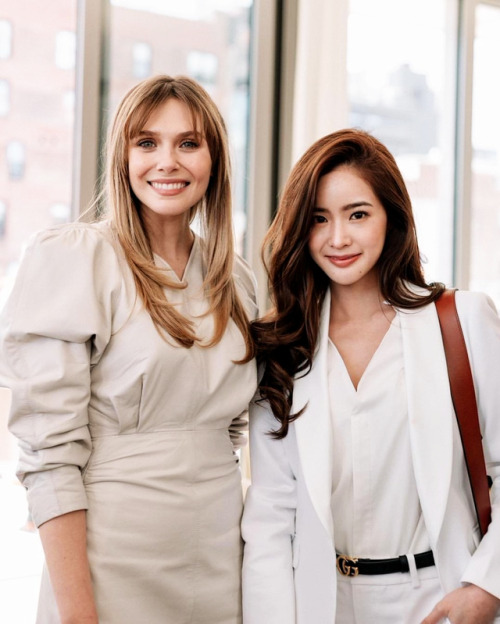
column 214, row 211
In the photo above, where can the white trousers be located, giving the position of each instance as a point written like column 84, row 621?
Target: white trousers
column 400, row 598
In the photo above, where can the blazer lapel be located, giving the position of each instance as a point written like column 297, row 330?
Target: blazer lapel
column 313, row 427
column 430, row 412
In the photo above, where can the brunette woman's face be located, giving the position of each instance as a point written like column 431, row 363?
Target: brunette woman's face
column 169, row 163
column 349, row 229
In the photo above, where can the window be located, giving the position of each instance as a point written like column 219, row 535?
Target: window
column 37, row 126
column 36, row 169
column 401, row 92
column 60, row 213
column 142, row 56
column 65, row 49
column 5, row 39
column 3, row 218
column 16, row 159
column 202, row 66
column 485, row 175
column 4, row 98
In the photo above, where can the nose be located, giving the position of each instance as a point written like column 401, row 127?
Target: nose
column 167, row 158
column 338, row 235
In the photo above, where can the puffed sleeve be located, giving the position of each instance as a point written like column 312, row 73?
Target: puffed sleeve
column 54, row 326
column 481, row 327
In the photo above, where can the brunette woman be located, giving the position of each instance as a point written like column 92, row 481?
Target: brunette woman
column 355, row 449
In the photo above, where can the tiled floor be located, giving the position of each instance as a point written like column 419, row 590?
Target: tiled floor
column 21, row 555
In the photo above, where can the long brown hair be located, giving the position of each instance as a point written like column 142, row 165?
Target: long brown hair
column 287, row 337
column 214, row 210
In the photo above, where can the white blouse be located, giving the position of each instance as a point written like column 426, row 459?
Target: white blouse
column 375, row 504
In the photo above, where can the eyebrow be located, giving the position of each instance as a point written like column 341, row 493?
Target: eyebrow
column 181, row 135
column 350, row 206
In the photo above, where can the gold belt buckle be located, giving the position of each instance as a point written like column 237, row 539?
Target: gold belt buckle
column 347, row 566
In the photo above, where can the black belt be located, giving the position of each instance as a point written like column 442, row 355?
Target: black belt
column 352, row 566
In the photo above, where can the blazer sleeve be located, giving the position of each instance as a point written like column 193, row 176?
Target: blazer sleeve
column 268, row 526
column 481, row 327
column 53, row 329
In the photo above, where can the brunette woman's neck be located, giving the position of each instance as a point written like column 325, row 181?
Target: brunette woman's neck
column 356, row 304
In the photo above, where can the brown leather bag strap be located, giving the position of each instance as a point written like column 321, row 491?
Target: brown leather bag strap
column 464, row 402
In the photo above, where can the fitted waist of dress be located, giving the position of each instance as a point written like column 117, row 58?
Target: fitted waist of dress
column 188, row 455
column 101, row 432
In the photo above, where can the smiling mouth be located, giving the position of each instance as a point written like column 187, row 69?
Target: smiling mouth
column 343, row 260
column 168, row 186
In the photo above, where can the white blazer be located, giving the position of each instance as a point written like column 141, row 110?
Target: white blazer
column 289, row 571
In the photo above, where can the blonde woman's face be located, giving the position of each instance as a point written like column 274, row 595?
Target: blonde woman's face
column 349, row 229
column 169, row 164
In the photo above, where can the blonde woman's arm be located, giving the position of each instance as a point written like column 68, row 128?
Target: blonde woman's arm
column 64, row 541
column 53, row 328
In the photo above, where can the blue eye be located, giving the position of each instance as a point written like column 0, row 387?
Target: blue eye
column 189, row 144
column 146, row 143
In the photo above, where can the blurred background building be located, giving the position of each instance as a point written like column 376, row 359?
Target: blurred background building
column 420, row 76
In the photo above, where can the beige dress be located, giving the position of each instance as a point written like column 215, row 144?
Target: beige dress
column 140, row 432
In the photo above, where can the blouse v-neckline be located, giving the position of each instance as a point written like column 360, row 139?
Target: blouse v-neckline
column 160, row 261
column 374, row 357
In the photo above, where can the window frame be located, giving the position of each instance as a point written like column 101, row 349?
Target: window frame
column 93, row 24
column 464, row 152
column 279, row 52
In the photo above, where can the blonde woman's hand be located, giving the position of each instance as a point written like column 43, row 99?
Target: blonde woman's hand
column 467, row 605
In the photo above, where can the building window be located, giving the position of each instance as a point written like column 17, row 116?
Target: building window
column 16, row 159
column 3, row 217
column 66, row 49
column 5, row 39
column 37, row 162
column 4, row 98
column 202, row 66
column 142, row 56
column 60, row 213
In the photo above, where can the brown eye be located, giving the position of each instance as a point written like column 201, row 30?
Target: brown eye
column 319, row 219
column 359, row 214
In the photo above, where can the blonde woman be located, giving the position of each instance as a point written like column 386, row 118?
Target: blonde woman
column 122, row 343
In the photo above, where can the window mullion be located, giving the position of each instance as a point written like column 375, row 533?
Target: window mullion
column 88, row 103
column 463, row 184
